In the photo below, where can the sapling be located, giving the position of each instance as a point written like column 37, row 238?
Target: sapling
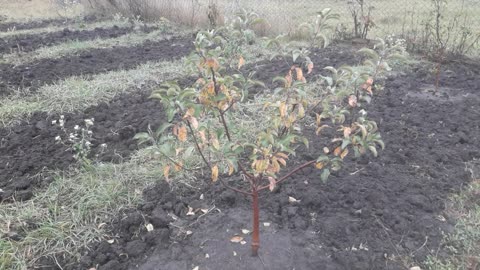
column 205, row 117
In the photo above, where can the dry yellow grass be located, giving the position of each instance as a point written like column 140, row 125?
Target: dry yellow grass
column 24, row 10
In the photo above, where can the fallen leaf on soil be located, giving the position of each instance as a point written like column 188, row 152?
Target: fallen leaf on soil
column 236, row 239
column 266, row 224
column 415, row 268
column 195, row 268
column 243, row 242
column 326, row 150
column 234, row 253
column 188, row 232
column 245, row 231
column 190, row 212
column 149, row 227
column 207, row 256
column 201, row 197
column 111, row 241
column 93, row 268
column 292, row 200
column 204, row 211
column 215, row 173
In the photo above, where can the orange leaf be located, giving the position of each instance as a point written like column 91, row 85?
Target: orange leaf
column 178, row 166
column 319, row 165
column 212, row 63
column 189, row 113
column 182, row 133
column 193, row 121
column 281, row 160
column 289, row 79
column 166, row 171
column 344, row 153
column 282, row 155
column 352, row 101
column 310, row 67
column 370, row 81
column 215, row 173
column 346, row 132
column 236, row 239
column 337, row 151
column 231, row 169
column 300, row 75
column 241, row 62
column 272, row 183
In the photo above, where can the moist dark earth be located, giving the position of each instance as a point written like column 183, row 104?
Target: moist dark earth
column 46, row 71
column 378, row 213
column 26, row 43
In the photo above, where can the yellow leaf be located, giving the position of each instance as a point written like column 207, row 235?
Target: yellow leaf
column 352, row 101
column 319, row 165
column 212, row 63
column 301, row 111
column 344, row 153
column 189, row 113
column 300, row 75
column 231, row 169
column 236, row 239
column 166, row 171
column 193, row 121
column 310, row 67
column 346, row 132
column 178, row 166
column 216, row 143
column 289, row 79
column 283, row 109
column 182, row 133
column 215, row 173
column 281, row 160
column 282, row 155
column 337, row 151
column 272, row 183
column 241, row 62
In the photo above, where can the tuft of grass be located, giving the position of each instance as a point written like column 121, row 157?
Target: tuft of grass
column 71, row 212
column 463, row 245
column 78, row 93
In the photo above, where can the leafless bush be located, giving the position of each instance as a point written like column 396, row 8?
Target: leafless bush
column 190, row 12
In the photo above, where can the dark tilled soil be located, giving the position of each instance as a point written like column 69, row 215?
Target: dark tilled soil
column 378, row 213
column 26, row 43
column 30, row 147
column 46, row 71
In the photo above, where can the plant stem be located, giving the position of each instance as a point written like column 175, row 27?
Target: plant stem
column 197, row 145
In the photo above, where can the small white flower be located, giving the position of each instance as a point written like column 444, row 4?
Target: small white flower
column 54, row 122
column 58, row 138
column 76, row 127
column 89, row 122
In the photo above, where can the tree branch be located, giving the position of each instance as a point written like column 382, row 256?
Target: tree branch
column 285, row 177
column 197, row 145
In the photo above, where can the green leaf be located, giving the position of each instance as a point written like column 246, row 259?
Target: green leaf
column 296, row 54
column 373, row 150
column 325, row 174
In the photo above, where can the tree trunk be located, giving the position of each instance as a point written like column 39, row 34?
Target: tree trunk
column 256, row 223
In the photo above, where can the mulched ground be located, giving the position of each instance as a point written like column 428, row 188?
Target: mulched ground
column 27, row 43
column 46, row 71
column 6, row 26
column 378, row 213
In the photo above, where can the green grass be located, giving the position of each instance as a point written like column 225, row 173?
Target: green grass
column 463, row 245
column 68, row 215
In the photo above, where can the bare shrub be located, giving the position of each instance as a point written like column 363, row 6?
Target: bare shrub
column 190, row 12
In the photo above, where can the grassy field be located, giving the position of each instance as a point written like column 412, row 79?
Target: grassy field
column 72, row 211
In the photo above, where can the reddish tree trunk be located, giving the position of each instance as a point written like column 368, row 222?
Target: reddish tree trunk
column 256, row 223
